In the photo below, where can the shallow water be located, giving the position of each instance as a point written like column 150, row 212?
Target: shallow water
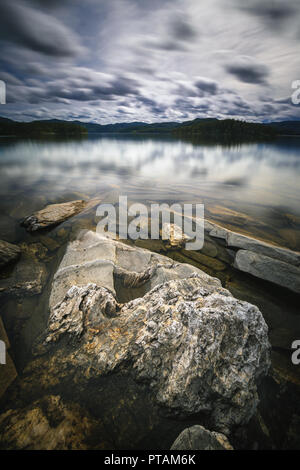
column 251, row 188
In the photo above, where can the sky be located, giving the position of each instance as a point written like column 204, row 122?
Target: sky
column 109, row 61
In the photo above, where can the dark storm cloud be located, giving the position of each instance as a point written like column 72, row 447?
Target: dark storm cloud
column 68, row 90
column 249, row 72
column 36, row 30
column 275, row 13
column 129, row 60
column 206, row 85
column 165, row 45
column 155, row 107
column 182, row 29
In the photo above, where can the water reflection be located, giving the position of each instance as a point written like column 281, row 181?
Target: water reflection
column 254, row 178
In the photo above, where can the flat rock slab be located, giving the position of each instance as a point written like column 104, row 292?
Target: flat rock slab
column 8, row 253
column 198, row 438
column 246, row 243
column 278, row 265
column 52, row 215
column 237, row 240
column 269, row 269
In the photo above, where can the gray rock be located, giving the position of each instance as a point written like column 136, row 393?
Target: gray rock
column 52, row 215
column 8, row 253
column 218, row 232
column 269, row 269
column 199, row 438
column 247, row 243
column 237, row 240
column 198, row 349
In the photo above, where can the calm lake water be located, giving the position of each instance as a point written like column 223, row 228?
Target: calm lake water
column 250, row 187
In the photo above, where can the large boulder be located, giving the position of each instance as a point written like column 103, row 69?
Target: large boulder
column 198, row 438
column 169, row 325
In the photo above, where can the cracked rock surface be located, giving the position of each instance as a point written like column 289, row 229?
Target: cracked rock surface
column 198, row 348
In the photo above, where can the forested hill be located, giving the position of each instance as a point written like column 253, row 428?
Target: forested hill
column 209, row 128
column 227, row 128
column 39, row 128
column 286, row 127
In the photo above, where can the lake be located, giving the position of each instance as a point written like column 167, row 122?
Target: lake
column 250, row 187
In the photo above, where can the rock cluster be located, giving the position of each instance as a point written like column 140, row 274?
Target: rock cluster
column 198, row 349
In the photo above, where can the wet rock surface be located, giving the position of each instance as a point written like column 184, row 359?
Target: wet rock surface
column 52, row 215
column 277, row 265
column 269, row 269
column 199, row 438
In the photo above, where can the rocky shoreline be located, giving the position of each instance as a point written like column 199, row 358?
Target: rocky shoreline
column 123, row 316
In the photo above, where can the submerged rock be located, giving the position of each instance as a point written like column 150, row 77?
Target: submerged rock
column 247, row 243
column 8, row 253
column 174, row 235
column 269, row 269
column 197, row 348
column 278, row 265
column 52, row 214
column 198, row 438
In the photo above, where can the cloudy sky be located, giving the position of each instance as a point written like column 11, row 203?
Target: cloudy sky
column 149, row 60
